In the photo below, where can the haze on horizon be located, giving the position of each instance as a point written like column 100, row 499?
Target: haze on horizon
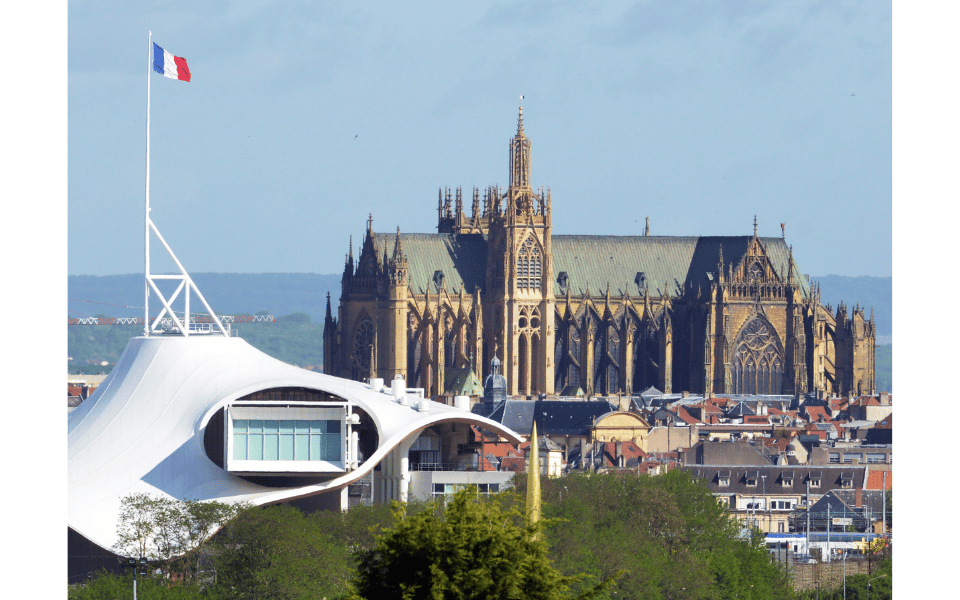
column 302, row 119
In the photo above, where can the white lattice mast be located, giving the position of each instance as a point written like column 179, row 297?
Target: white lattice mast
column 186, row 283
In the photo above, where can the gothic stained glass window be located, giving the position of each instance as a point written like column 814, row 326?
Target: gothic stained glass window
column 646, row 353
column 757, row 359
column 529, row 266
column 559, row 354
column 613, row 360
column 363, row 342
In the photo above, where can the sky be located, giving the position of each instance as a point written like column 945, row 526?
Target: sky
column 302, row 118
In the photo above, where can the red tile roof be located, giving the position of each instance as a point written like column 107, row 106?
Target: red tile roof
column 685, row 415
column 875, row 480
column 815, row 412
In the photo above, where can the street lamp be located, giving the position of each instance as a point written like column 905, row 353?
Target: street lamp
column 766, row 505
column 874, row 579
column 138, row 566
column 844, row 574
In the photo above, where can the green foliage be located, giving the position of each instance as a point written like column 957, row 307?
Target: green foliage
column 109, row 586
column 89, row 345
column 278, row 552
column 294, row 339
column 170, row 531
column 470, row 548
column 667, row 534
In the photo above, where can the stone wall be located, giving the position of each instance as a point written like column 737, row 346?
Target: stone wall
column 829, row 575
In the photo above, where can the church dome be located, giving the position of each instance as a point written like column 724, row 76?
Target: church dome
column 495, row 385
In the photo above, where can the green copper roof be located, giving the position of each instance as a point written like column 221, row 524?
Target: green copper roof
column 462, row 258
column 462, row 382
column 592, row 262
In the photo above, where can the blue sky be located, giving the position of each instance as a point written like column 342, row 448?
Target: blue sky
column 303, row 117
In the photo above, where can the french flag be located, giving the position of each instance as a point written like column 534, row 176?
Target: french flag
column 169, row 65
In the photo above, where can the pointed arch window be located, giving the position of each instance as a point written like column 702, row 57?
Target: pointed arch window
column 529, row 265
column 646, row 356
column 757, row 361
column 364, row 341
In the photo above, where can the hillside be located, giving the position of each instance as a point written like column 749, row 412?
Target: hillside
column 294, row 339
column 227, row 293
column 298, row 300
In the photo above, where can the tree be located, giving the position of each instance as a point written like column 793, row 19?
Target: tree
column 467, row 549
column 278, row 552
column 169, row 530
column 667, row 534
column 137, row 526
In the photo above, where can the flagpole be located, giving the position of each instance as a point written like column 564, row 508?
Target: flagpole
column 146, row 212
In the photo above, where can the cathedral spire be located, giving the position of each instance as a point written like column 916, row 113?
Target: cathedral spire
column 520, row 157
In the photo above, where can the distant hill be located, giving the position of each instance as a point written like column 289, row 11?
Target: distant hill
column 297, row 295
column 227, row 293
column 288, row 293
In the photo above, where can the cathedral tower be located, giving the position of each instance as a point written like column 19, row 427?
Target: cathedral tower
column 519, row 277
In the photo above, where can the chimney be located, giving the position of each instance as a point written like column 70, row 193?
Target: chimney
column 858, row 503
column 884, row 398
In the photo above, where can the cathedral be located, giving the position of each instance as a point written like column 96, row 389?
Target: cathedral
column 580, row 315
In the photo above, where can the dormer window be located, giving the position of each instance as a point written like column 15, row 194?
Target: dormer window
column 723, row 478
column 786, row 479
column 751, row 479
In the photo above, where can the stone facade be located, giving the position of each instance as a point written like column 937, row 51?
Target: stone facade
column 604, row 315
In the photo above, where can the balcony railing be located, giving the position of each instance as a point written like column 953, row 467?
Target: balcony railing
column 442, row 466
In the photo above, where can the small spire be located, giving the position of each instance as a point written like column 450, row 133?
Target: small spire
column 397, row 247
column 370, row 225
column 646, row 229
column 520, row 119
column 790, row 266
column 754, row 225
column 533, row 482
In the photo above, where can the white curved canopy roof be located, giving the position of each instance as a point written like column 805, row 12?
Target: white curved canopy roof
column 142, row 430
